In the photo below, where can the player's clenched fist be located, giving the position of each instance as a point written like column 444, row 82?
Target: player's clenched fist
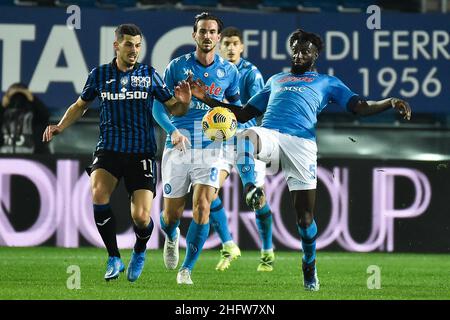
column 51, row 131
column 402, row 106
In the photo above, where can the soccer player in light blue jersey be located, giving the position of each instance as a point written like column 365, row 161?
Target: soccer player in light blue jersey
column 290, row 103
column 200, row 166
column 250, row 82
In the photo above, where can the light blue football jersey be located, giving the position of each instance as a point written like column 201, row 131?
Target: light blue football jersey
column 250, row 83
column 222, row 81
column 291, row 103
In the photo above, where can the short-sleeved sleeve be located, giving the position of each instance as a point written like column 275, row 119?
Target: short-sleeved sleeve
column 261, row 99
column 232, row 92
column 160, row 89
column 255, row 82
column 89, row 92
column 339, row 92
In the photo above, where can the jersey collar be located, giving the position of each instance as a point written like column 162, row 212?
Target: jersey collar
column 114, row 65
column 216, row 58
column 241, row 63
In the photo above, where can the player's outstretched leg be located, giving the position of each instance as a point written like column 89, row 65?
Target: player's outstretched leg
column 137, row 261
column 171, row 252
column 264, row 223
column 245, row 164
column 218, row 219
column 195, row 239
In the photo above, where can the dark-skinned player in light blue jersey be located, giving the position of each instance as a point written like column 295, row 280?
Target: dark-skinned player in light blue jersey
column 290, row 103
column 199, row 166
column 250, row 83
column 126, row 148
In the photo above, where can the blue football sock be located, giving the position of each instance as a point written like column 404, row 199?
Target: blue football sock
column 308, row 236
column 264, row 223
column 170, row 229
column 219, row 221
column 245, row 161
column 195, row 239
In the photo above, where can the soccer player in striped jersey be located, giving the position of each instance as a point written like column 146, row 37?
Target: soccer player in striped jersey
column 201, row 165
column 126, row 147
column 250, row 83
column 290, row 103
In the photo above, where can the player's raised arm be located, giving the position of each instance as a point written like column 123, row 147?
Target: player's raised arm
column 179, row 104
column 160, row 114
column 243, row 114
column 72, row 114
column 341, row 94
column 367, row 108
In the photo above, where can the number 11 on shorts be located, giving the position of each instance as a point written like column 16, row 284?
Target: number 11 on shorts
column 147, row 167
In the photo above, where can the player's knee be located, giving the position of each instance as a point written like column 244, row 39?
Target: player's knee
column 223, row 176
column 100, row 195
column 305, row 219
column 202, row 209
column 172, row 216
column 141, row 216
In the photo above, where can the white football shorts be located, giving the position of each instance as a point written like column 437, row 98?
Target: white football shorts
column 229, row 161
column 297, row 156
column 181, row 170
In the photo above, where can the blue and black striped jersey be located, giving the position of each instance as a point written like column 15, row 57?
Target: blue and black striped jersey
column 126, row 101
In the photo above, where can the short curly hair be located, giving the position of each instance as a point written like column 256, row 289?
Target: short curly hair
column 302, row 35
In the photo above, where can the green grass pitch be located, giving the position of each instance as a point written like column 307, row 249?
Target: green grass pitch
column 41, row 273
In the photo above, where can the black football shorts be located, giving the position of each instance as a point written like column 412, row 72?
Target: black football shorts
column 138, row 170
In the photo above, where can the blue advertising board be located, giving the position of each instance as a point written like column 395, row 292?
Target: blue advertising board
column 408, row 56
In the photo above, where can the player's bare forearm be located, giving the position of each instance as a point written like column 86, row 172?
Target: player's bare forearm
column 179, row 108
column 368, row 108
column 72, row 114
column 243, row 114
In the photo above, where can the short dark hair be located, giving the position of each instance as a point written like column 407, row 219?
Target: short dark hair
column 232, row 32
column 207, row 16
column 18, row 85
column 129, row 29
column 302, row 35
